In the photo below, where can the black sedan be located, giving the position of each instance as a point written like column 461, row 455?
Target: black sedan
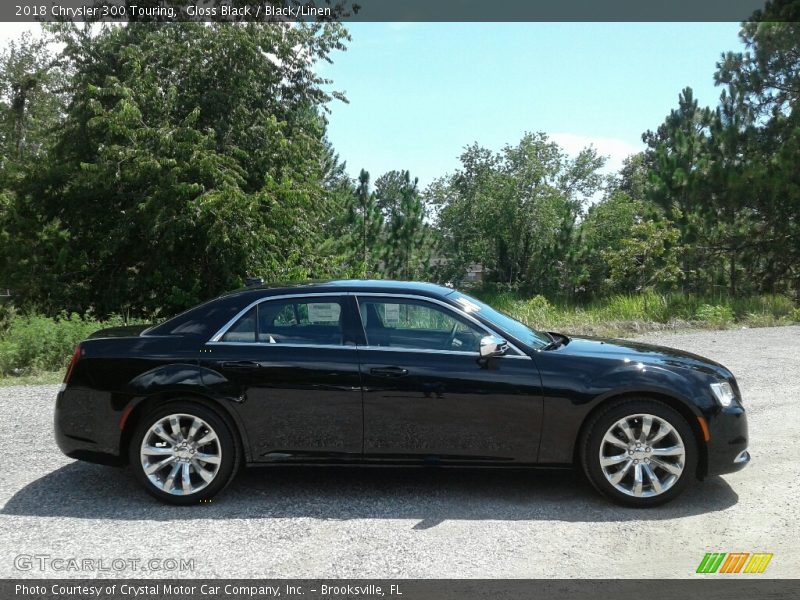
column 391, row 373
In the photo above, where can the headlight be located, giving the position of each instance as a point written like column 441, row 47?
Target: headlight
column 723, row 392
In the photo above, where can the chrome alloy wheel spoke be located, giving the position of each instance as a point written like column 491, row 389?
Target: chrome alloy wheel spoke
column 642, row 455
column 647, row 425
column 618, row 475
column 196, row 424
column 671, row 451
column 156, row 466
column 654, row 480
column 207, row 458
column 626, row 430
column 207, row 438
column 664, row 430
column 613, row 439
column 171, row 458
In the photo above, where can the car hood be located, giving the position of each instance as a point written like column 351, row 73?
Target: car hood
column 648, row 354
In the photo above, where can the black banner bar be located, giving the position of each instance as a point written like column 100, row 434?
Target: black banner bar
column 379, row 10
column 715, row 587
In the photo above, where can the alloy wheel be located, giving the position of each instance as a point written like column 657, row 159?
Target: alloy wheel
column 180, row 454
column 642, row 455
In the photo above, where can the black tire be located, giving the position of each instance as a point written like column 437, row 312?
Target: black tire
column 226, row 444
column 592, row 440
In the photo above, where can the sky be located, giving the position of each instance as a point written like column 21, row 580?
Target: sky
column 420, row 92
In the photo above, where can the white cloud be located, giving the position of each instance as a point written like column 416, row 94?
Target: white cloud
column 614, row 149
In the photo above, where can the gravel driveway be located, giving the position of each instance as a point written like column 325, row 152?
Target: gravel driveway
column 415, row 523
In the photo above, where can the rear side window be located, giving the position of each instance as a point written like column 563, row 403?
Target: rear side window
column 306, row 321
column 244, row 330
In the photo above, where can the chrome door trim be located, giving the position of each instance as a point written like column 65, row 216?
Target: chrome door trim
column 215, row 339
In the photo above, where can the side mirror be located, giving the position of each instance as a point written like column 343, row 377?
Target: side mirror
column 492, row 345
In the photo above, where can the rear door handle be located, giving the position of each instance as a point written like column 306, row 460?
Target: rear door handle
column 389, row 371
column 241, row 364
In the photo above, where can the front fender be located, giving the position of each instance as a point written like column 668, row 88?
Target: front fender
column 643, row 379
column 570, row 399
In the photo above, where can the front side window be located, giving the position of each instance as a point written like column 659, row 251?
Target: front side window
column 306, row 321
column 416, row 324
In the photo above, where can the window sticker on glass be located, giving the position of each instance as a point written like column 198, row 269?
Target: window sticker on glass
column 391, row 314
column 327, row 312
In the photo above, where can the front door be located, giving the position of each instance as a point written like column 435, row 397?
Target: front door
column 429, row 397
column 294, row 363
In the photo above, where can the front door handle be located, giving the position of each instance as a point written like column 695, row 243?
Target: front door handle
column 389, row 371
column 241, row 364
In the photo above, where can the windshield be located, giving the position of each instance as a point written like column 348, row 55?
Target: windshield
column 520, row 331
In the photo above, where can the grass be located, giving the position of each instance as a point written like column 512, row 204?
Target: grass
column 626, row 315
column 35, row 349
column 43, row 378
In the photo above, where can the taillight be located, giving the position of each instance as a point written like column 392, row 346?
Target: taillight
column 75, row 356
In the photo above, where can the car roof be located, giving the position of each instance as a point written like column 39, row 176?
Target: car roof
column 208, row 317
column 353, row 285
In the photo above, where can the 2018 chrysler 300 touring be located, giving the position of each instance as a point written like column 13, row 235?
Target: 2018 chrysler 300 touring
column 393, row 373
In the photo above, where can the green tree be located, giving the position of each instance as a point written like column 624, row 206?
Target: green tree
column 678, row 153
column 191, row 156
column 765, row 79
column 32, row 105
column 728, row 177
column 407, row 245
column 646, row 258
column 607, row 224
column 369, row 225
column 31, row 99
column 515, row 211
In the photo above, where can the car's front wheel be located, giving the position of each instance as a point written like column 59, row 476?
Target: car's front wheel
column 639, row 452
column 183, row 453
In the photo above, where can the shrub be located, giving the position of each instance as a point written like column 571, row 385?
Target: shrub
column 763, row 320
column 33, row 343
column 716, row 315
column 768, row 304
column 535, row 311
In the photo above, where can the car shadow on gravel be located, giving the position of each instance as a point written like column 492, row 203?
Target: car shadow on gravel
column 428, row 496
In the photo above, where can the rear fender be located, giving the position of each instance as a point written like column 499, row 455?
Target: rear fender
column 178, row 381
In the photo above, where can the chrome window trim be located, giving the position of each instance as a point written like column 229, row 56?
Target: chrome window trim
column 224, row 329
column 429, row 351
column 216, row 338
column 268, row 345
column 455, row 309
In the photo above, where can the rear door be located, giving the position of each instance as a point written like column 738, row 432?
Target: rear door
column 293, row 361
column 429, row 397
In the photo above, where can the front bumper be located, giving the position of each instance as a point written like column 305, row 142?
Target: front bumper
column 726, row 450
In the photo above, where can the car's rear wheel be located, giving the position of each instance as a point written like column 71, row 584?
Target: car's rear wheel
column 183, row 453
column 639, row 452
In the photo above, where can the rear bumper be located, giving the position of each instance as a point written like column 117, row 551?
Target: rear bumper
column 727, row 447
column 83, row 430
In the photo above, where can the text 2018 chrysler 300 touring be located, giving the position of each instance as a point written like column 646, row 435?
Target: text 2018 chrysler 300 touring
column 397, row 373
